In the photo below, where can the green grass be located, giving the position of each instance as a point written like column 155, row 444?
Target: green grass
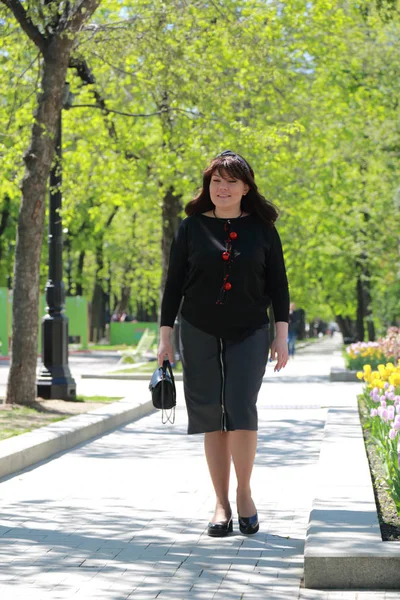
column 108, row 347
column 22, row 419
column 106, row 399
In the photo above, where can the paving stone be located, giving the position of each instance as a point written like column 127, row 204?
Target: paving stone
column 113, row 519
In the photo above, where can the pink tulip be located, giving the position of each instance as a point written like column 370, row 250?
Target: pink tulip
column 390, row 413
column 374, row 413
column 383, row 403
column 392, row 434
column 382, row 412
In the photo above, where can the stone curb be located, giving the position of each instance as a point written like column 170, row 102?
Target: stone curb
column 127, row 376
column 338, row 374
column 27, row 449
column 344, row 547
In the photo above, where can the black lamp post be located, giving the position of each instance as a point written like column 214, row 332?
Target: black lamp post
column 55, row 379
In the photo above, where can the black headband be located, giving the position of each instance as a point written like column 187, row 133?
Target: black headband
column 230, row 153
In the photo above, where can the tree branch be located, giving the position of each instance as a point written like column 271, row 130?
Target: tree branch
column 27, row 25
column 5, row 214
column 16, row 90
column 117, row 112
column 82, row 12
column 86, row 75
column 110, row 26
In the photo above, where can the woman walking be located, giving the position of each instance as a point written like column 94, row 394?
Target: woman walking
column 226, row 262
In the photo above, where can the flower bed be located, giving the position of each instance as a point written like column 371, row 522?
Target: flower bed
column 381, row 395
column 385, row 350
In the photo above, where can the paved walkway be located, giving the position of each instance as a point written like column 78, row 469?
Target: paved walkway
column 125, row 516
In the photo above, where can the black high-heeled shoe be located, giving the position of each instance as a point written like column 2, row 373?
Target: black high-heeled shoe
column 220, row 529
column 249, row 525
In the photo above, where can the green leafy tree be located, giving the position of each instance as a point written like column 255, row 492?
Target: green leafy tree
column 53, row 28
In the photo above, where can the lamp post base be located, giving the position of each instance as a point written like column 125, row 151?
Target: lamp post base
column 55, row 379
column 50, row 390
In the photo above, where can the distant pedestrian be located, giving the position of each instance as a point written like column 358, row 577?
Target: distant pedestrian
column 294, row 328
column 227, row 263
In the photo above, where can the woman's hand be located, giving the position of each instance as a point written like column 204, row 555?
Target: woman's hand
column 165, row 347
column 279, row 350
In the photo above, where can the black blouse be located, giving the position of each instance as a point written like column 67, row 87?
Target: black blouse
column 253, row 271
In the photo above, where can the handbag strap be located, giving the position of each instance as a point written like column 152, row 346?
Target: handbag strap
column 171, row 416
column 167, row 365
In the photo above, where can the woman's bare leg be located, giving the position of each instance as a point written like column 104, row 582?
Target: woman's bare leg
column 216, row 446
column 243, row 447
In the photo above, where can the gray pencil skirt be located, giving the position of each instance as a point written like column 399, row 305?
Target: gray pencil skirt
column 222, row 378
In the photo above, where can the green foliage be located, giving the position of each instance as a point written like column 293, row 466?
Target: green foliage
column 358, row 362
column 19, row 71
column 308, row 93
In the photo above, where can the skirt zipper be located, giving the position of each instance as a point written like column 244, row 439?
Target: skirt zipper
column 223, row 416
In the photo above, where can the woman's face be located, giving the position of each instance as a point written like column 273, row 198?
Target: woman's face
column 226, row 191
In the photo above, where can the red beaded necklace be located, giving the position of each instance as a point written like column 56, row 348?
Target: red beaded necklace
column 227, row 256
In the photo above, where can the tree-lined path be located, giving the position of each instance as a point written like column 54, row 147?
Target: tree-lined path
column 125, row 515
column 307, row 93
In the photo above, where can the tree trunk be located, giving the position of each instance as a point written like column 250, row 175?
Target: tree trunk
column 360, row 310
column 4, row 220
column 79, row 275
column 364, row 302
column 125, row 298
column 38, row 159
column 170, row 222
column 146, row 314
column 99, row 299
column 97, row 320
column 5, row 215
column 368, row 306
column 55, row 49
column 346, row 326
column 68, row 267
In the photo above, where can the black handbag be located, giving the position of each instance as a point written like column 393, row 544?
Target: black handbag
column 163, row 391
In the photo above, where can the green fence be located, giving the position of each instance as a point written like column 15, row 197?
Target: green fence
column 76, row 309
column 129, row 333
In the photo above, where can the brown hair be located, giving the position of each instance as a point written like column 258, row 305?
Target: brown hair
column 237, row 167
